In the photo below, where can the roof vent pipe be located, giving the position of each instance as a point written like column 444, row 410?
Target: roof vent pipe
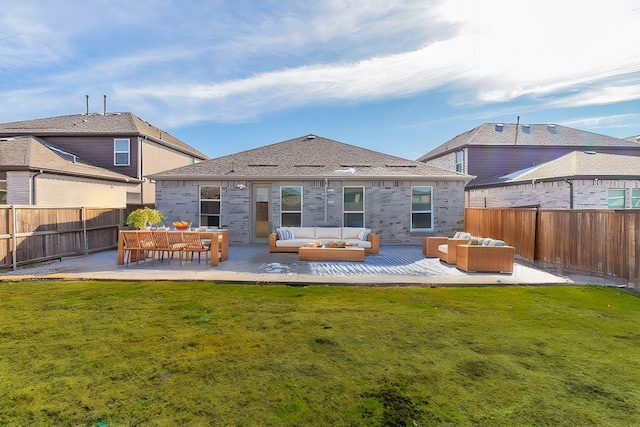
column 105, row 104
column 87, row 104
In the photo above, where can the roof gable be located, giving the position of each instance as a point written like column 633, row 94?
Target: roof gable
column 309, row 156
column 119, row 124
column 30, row 153
column 540, row 135
column 574, row 165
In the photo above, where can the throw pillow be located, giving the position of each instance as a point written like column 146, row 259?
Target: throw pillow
column 285, row 234
column 364, row 234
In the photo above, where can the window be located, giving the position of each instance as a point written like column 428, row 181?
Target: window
column 3, row 192
column 616, row 199
column 210, row 206
column 635, row 198
column 460, row 161
column 291, row 206
column 421, row 209
column 121, row 154
column 353, row 207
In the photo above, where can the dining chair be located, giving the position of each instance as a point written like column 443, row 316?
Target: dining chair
column 194, row 244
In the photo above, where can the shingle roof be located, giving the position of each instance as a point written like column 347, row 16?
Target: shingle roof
column 97, row 124
column 310, row 157
column 532, row 135
column 575, row 165
column 635, row 138
column 30, row 153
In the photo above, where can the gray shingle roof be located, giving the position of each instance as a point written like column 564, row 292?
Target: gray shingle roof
column 30, row 153
column 310, row 157
column 575, row 165
column 533, row 134
column 96, row 124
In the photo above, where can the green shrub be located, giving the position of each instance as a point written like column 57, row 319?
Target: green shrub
column 143, row 216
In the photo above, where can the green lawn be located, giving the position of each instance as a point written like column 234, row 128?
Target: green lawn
column 201, row 354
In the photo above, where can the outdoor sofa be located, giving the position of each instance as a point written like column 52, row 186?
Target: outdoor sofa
column 471, row 254
column 290, row 239
column 444, row 247
column 494, row 256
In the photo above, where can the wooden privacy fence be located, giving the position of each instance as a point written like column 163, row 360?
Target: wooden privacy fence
column 598, row 242
column 32, row 234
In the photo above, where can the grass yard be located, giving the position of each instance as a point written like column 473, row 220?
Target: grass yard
column 199, row 354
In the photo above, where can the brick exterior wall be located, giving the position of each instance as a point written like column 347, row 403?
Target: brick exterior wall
column 587, row 194
column 448, row 161
column 18, row 188
column 387, row 206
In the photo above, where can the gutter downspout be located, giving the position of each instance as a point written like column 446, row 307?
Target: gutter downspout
column 570, row 182
column 34, row 200
column 326, row 202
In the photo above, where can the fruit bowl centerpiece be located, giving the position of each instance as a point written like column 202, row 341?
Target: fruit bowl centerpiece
column 336, row 244
column 181, row 225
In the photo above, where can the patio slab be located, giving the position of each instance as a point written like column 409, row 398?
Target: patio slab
column 396, row 265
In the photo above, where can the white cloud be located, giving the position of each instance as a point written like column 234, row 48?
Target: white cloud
column 238, row 60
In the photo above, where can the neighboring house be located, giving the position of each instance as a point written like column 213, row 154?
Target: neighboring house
column 497, row 154
column 33, row 172
column 120, row 142
column 314, row 181
column 578, row 180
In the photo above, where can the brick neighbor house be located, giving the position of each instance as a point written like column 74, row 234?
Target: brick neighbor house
column 314, row 181
column 544, row 165
column 120, row 142
column 33, row 172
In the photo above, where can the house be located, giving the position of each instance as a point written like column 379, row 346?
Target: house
column 501, row 155
column 120, row 142
column 578, row 180
column 33, row 172
column 314, row 181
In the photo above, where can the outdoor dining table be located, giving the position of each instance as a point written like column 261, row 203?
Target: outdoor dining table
column 219, row 252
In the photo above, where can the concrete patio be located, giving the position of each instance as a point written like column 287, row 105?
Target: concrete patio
column 396, row 265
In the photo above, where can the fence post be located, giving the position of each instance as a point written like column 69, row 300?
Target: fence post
column 85, row 238
column 14, row 239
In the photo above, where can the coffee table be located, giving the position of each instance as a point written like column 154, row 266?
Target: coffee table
column 331, row 254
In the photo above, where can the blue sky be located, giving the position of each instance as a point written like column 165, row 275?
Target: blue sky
column 396, row 76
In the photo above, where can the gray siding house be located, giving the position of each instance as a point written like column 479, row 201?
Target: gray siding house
column 545, row 165
column 314, row 181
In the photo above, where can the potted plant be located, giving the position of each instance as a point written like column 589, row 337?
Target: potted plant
column 143, row 216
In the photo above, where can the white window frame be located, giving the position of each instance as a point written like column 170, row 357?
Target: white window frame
column 207, row 214
column 345, row 211
column 3, row 191
column 282, row 211
column 610, row 197
column 460, row 164
column 635, row 198
column 116, row 151
column 421, row 211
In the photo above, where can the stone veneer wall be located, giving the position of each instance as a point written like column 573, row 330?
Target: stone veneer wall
column 587, row 194
column 387, row 206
